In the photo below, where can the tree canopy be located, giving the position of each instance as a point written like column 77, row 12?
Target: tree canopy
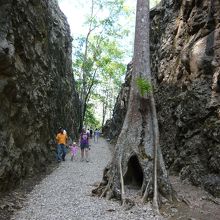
column 99, row 57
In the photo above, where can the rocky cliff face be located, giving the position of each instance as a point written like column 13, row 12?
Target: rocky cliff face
column 113, row 127
column 36, row 86
column 185, row 62
column 185, row 45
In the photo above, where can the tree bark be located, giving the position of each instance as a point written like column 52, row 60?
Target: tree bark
column 84, row 91
column 137, row 148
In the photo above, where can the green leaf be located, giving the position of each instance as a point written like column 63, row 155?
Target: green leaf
column 144, row 86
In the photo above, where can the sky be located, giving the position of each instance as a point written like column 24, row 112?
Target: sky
column 75, row 11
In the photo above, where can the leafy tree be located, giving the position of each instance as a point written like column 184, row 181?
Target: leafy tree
column 90, row 118
column 98, row 53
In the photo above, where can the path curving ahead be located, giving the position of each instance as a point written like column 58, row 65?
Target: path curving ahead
column 65, row 194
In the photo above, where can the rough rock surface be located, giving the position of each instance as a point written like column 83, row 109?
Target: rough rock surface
column 37, row 91
column 113, row 126
column 185, row 61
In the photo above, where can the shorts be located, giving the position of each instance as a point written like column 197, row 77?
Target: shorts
column 83, row 146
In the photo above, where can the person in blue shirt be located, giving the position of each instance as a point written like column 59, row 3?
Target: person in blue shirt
column 96, row 135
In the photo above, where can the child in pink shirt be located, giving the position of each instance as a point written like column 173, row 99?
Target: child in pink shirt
column 73, row 150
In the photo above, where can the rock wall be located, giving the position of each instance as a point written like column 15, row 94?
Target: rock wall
column 113, row 127
column 37, row 91
column 185, row 62
column 185, row 48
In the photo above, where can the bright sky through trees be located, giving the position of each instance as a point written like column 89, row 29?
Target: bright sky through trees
column 78, row 14
column 76, row 11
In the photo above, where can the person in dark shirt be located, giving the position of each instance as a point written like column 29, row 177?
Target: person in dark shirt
column 84, row 145
column 91, row 133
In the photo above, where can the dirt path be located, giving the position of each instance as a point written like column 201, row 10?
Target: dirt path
column 198, row 204
column 65, row 194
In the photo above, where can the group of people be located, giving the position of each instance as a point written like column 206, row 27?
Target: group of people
column 84, row 137
column 96, row 134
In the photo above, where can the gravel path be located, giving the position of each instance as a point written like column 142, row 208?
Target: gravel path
column 66, row 193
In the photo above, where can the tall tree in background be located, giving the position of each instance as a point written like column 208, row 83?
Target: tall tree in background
column 137, row 157
column 101, row 33
column 104, row 71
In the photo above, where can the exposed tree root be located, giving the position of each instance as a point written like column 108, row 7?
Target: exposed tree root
column 144, row 198
column 104, row 185
column 122, row 183
column 105, row 190
column 128, row 204
column 182, row 199
column 98, row 190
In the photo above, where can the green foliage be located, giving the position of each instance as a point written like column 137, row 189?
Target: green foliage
column 99, row 56
column 90, row 117
column 103, row 57
column 144, row 86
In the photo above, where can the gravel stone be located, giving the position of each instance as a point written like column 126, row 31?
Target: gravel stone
column 65, row 194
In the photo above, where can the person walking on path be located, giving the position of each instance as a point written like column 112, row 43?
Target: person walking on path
column 84, row 144
column 61, row 139
column 73, row 149
column 96, row 135
column 91, row 132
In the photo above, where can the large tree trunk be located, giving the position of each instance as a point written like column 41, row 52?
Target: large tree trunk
column 132, row 173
